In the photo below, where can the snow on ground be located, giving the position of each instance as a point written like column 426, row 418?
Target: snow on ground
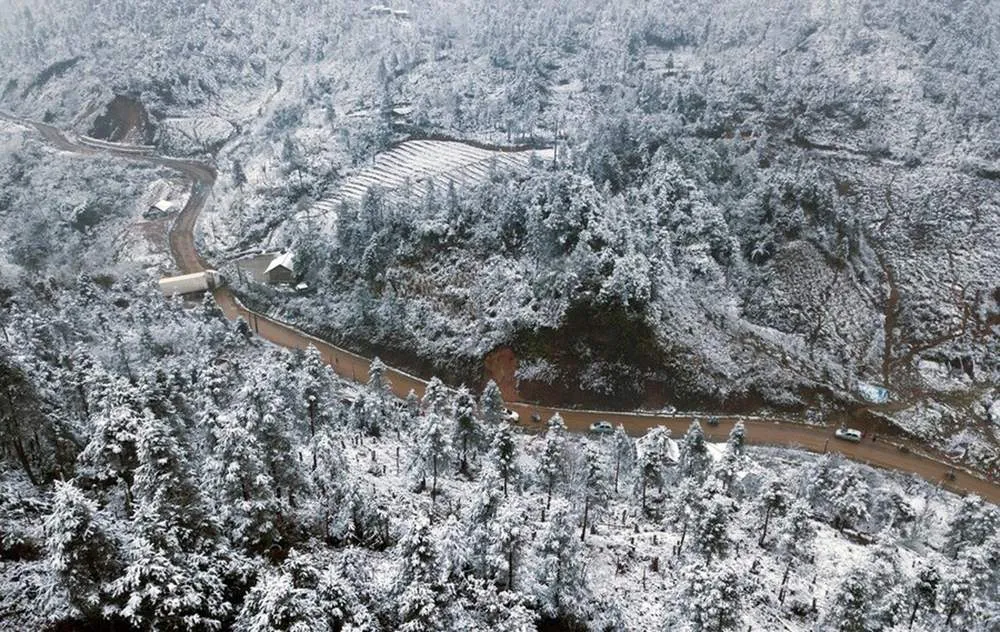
column 420, row 163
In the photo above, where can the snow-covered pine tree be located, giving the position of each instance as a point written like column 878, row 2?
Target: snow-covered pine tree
column 773, row 499
column 508, row 540
column 713, row 597
column 433, row 449
column 315, row 385
column 420, row 601
column 286, row 599
column 244, row 488
column 711, row 535
column 468, row 434
column 694, row 458
column 623, row 448
column 491, row 403
column 378, row 381
column 82, row 553
column 552, row 462
column 653, row 460
column 851, row 501
column 593, row 487
column 436, row 397
column 974, row 522
column 562, row 590
column 504, row 454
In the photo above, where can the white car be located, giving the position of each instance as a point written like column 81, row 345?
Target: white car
column 602, row 427
column 849, row 434
column 510, row 416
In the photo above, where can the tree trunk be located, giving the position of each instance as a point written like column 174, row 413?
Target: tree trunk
column 22, row 457
column 767, row 519
column 434, row 485
column 913, row 614
column 510, row 567
column 618, row 464
column 586, row 516
column 505, row 475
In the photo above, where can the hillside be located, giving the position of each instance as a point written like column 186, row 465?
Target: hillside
column 784, row 208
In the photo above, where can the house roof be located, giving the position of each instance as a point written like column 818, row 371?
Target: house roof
column 164, row 205
column 283, row 260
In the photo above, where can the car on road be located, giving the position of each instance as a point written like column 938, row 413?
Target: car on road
column 849, row 434
column 713, row 421
column 602, row 427
column 510, row 416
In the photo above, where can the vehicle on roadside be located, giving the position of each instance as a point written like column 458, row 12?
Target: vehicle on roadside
column 510, row 416
column 668, row 410
column 602, row 427
column 849, row 434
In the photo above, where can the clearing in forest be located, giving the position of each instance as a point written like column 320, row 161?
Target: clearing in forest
column 421, row 162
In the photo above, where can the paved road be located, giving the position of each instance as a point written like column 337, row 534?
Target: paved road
column 760, row 431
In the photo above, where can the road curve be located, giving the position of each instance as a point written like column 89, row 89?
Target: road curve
column 912, row 459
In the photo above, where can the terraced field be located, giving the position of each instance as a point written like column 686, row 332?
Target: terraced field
column 421, row 162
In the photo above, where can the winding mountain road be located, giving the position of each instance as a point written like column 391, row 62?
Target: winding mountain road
column 912, row 458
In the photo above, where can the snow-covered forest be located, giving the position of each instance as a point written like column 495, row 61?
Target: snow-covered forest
column 779, row 202
column 734, row 206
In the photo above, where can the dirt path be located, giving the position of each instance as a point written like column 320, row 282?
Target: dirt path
column 760, row 431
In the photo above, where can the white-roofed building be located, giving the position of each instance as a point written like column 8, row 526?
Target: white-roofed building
column 281, row 269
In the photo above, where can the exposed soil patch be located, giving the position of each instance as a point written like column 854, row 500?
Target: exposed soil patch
column 124, row 120
column 500, row 365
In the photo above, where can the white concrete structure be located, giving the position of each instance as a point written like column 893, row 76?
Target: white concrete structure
column 190, row 283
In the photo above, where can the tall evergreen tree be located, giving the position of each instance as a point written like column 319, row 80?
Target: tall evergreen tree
column 468, row 435
column 504, row 454
column 491, row 403
column 562, row 589
column 552, row 463
column 624, row 453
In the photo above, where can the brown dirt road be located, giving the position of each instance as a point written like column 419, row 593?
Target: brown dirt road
column 916, row 459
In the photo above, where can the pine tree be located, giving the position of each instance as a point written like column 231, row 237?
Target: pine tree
column 552, row 463
column 286, row 599
column 248, row 507
column 737, row 438
column 436, row 397
column 925, row 591
column 509, row 536
column 378, row 383
column 434, row 448
column 593, row 486
column 851, row 502
column 625, row 455
column 562, row 590
column 653, row 460
column 972, row 525
column 491, row 403
column 420, row 599
column 503, row 455
column 315, row 386
column 773, row 499
column 695, row 460
column 468, row 435
column 795, row 538
column 712, row 537
column 714, row 597
column 81, row 551
column 175, row 569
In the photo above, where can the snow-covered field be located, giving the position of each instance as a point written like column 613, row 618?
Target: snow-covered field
column 417, row 165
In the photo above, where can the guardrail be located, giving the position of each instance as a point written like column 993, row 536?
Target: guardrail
column 128, row 148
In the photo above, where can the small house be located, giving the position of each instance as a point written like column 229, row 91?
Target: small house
column 160, row 209
column 280, row 270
